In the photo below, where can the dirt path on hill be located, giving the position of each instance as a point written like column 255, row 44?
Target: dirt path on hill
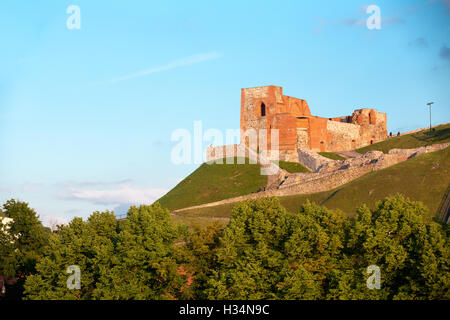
column 203, row 218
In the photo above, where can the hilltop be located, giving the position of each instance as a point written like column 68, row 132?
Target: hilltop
column 213, row 182
column 422, row 138
column 424, row 178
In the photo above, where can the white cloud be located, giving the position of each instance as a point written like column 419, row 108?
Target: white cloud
column 197, row 58
column 124, row 194
column 53, row 221
column 69, row 184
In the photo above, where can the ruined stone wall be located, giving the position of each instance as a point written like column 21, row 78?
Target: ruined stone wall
column 251, row 117
column 372, row 126
column 344, row 172
column 249, row 112
column 311, row 160
column 302, row 138
column 344, row 136
column 299, row 129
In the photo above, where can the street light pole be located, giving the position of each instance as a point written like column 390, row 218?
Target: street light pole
column 429, row 104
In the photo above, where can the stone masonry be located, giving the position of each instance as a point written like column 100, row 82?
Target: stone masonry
column 330, row 174
column 267, row 108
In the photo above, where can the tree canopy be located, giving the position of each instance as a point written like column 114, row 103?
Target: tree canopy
column 264, row 252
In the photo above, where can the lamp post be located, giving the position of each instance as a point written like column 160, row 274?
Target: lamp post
column 429, row 104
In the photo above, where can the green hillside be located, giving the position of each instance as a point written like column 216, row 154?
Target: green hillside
column 331, row 155
column 292, row 167
column 419, row 139
column 424, row 178
column 214, row 182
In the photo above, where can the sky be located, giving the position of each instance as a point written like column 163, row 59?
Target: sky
column 87, row 114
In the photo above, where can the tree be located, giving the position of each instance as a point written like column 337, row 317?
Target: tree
column 145, row 266
column 411, row 252
column 313, row 251
column 198, row 258
column 22, row 242
column 89, row 245
column 268, row 253
column 130, row 260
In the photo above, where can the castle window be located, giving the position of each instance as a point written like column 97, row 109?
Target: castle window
column 263, row 110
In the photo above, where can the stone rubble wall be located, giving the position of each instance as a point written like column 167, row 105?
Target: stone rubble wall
column 345, row 130
column 302, row 138
column 331, row 175
column 311, row 159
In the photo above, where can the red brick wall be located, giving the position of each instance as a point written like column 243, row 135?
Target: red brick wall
column 287, row 133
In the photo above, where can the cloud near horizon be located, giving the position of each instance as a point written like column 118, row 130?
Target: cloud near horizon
column 123, row 194
column 54, row 221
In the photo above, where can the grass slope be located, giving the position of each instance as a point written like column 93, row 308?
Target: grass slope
column 331, row 155
column 419, row 139
column 424, row 178
column 214, row 182
column 292, row 167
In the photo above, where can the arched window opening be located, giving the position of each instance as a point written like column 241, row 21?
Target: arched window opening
column 263, row 110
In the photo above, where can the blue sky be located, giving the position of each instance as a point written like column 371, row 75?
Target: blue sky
column 86, row 115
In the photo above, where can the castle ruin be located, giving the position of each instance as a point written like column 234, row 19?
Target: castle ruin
column 267, row 108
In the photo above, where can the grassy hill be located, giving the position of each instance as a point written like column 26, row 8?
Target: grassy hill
column 424, row 178
column 292, row 167
column 331, row 155
column 214, row 182
column 414, row 140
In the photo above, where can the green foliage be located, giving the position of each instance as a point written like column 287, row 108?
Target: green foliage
column 214, row 182
column 130, row 261
column 331, row 155
column 265, row 252
column 268, row 253
column 89, row 245
column 199, row 256
column 145, row 268
column 419, row 139
column 413, row 254
column 21, row 242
